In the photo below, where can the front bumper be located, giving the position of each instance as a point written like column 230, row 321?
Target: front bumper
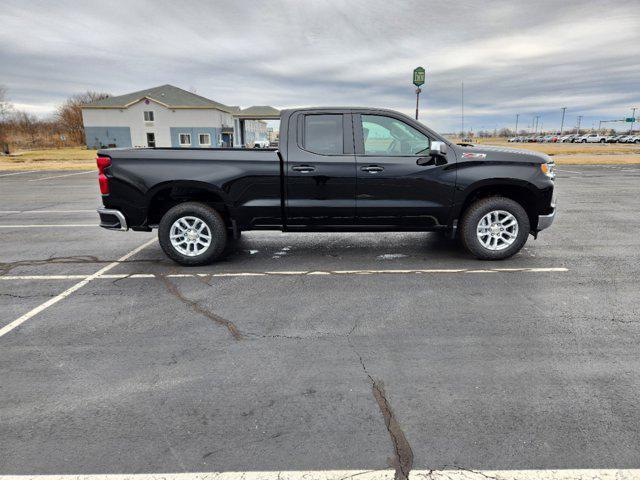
column 545, row 221
column 112, row 219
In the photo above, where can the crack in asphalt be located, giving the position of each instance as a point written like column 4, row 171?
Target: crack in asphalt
column 6, row 267
column 403, row 459
column 196, row 307
column 12, row 295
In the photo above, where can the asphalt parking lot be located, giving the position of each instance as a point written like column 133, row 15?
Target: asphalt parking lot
column 307, row 352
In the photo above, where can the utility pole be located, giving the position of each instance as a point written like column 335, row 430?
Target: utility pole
column 537, row 119
column 633, row 115
column 517, row 116
column 462, row 109
column 564, row 109
column 578, row 127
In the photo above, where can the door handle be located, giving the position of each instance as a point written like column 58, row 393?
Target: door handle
column 303, row 168
column 372, row 169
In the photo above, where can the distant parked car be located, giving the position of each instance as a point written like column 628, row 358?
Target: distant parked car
column 261, row 144
column 565, row 138
column 592, row 138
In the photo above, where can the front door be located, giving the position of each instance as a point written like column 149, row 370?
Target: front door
column 320, row 169
column 227, row 140
column 393, row 188
column 151, row 139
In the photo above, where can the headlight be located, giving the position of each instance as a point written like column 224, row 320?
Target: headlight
column 549, row 169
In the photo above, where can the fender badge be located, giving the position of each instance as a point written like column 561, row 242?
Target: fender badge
column 474, row 155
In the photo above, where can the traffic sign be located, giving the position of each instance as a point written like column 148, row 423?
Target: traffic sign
column 418, row 76
column 630, row 120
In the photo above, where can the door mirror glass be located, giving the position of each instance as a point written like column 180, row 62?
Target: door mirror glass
column 386, row 136
column 438, row 148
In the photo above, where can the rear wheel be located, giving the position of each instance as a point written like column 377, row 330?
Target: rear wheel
column 192, row 233
column 494, row 228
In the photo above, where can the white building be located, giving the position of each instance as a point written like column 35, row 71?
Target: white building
column 168, row 116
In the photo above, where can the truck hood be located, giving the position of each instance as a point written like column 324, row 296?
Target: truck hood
column 498, row 154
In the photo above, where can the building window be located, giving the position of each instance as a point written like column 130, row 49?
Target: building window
column 204, row 139
column 148, row 116
column 185, row 139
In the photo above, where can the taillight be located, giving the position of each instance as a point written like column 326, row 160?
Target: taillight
column 103, row 162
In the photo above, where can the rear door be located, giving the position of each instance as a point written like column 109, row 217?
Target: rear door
column 320, row 169
column 393, row 188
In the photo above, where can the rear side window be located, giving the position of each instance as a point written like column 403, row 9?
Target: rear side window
column 323, row 134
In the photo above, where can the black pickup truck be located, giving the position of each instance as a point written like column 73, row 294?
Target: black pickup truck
column 337, row 169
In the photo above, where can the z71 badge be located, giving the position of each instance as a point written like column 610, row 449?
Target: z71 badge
column 474, row 155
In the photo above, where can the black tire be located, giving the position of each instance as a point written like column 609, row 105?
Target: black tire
column 210, row 217
column 473, row 215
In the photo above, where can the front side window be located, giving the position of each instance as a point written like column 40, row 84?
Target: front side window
column 148, row 116
column 389, row 136
column 204, row 139
column 323, row 134
column 185, row 139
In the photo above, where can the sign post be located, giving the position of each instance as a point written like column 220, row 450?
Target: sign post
column 418, row 81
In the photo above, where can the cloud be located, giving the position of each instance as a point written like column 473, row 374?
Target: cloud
column 523, row 57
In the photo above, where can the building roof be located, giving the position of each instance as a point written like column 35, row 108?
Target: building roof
column 258, row 112
column 167, row 95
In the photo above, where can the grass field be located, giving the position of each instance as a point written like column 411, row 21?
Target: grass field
column 76, row 158
column 79, row 158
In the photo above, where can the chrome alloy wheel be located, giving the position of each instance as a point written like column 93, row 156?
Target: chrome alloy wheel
column 190, row 236
column 497, row 230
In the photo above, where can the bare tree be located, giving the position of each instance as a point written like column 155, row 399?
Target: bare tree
column 27, row 124
column 69, row 114
column 5, row 109
column 5, row 105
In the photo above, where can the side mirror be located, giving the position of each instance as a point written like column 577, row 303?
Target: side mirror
column 438, row 148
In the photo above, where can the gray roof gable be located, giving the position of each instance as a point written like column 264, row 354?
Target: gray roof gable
column 168, row 95
column 258, row 111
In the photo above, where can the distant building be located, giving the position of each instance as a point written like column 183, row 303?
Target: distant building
column 168, row 116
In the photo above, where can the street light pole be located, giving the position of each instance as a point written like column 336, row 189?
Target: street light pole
column 517, row 116
column 633, row 115
column 578, row 127
column 564, row 109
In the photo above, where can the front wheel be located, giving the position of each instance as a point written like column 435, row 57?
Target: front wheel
column 192, row 233
column 494, row 228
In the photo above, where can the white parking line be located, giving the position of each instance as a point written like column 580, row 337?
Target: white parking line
column 41, row 225
column 19, row 321
column 18, row 173
column 452, row 474
column 60, row 176
column 286, row 273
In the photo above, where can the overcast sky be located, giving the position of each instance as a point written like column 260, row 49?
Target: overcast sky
column 528, row 57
